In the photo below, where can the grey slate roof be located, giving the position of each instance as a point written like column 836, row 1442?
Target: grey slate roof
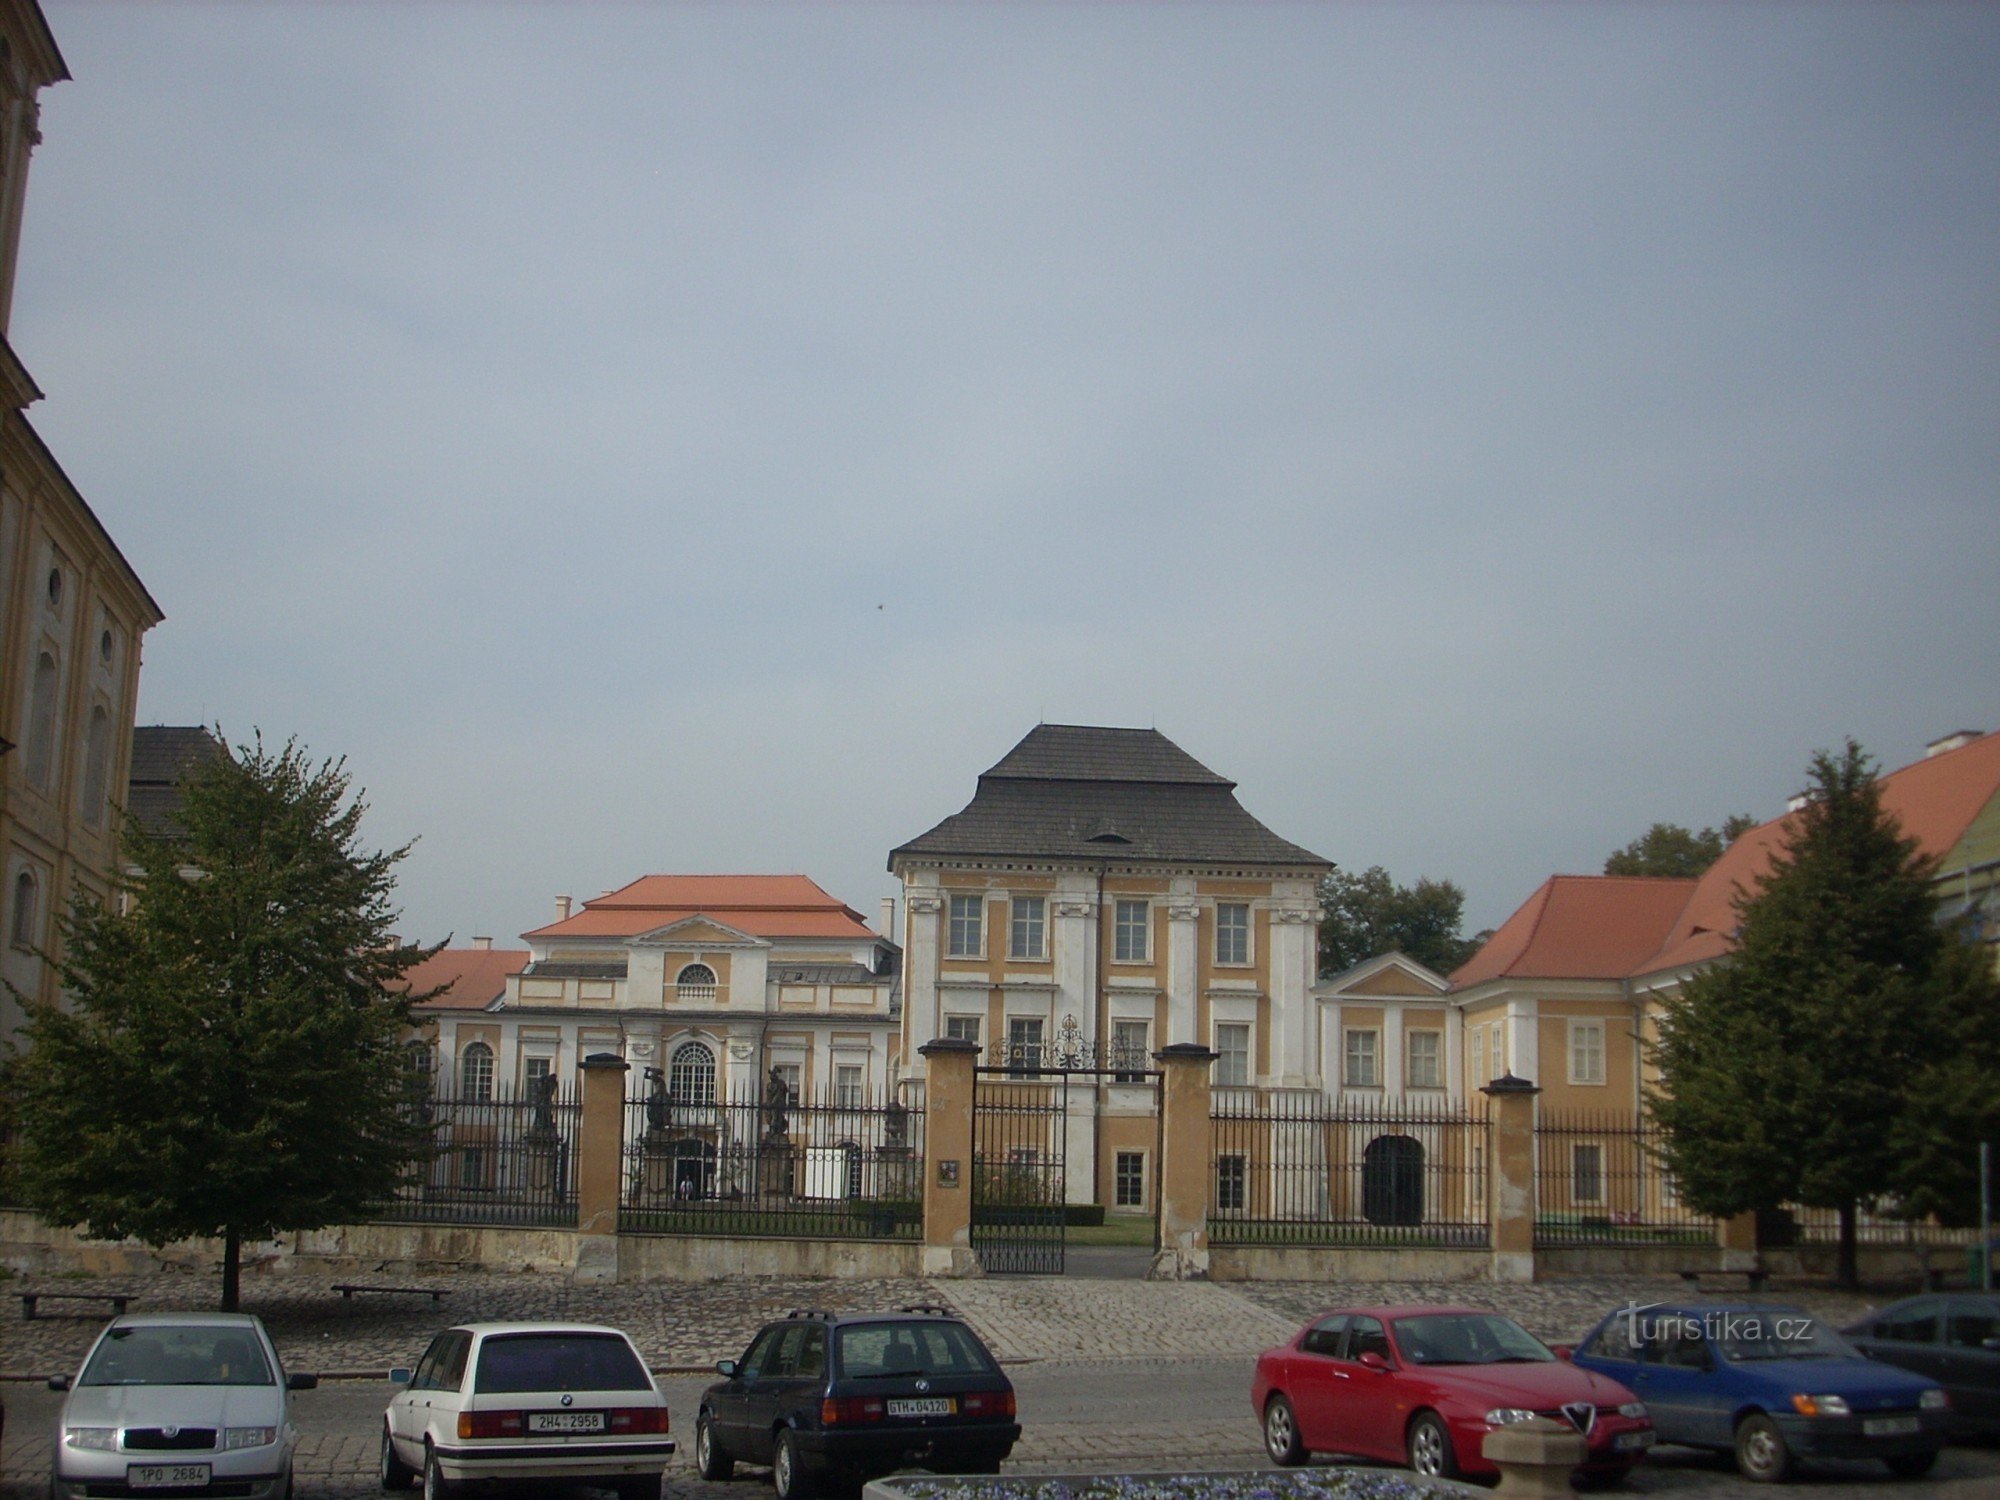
column 1087, row 795
column 160, row 754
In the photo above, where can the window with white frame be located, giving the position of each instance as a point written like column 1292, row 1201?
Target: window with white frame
column 1131, row 932
column 788, row 1074
column 695, row 985
column 1232, row 1045
column 691, row 1074
column 533, row 1071
column 1423, row 1062
column 847, row 1086
column 1363, row 1068
column 1024, row 1043
column 1475, row 1056
column 475, row 1072
column 962, row 1029
column 1231, row 1179
column 1129, row 1051
column 1586, row 1052
column 967, row 937
column 1232, row 932
column 1586, row 1172
column 1028, row 929
column 1129, row 1180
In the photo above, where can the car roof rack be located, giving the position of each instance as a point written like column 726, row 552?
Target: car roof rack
column 936, row 1309
column 819, row 1314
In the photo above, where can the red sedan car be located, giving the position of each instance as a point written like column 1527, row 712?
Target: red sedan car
column 1424, row 1385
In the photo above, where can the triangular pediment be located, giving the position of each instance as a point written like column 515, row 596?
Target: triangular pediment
column 699, row 932
column 1387, row 974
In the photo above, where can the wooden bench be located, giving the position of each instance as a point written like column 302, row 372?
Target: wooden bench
column 347, row 1289
column 116, row 1300
column 1754, row 1276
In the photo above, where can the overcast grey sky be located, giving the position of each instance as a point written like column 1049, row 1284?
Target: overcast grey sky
column 703, row 437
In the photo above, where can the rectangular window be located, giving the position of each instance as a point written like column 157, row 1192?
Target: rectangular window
column 962, row 1029
column 789, row 1072
column 1232, row 933
column 968, row 936
column 1131, row 932
column 847, row 1086
column 1030, row 927
column 1129, row 1189
column 1232, row 1041
column 1230, row 1181
column 1128, row 1051
column 533, row 1071
column 1586, row 1052
column 1364, row 1058
column 1586, row 1173
column 1424, row 1066
column 1024, row 1043
column 1475, row 1061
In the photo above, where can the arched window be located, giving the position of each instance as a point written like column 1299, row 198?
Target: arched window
column 475, row 1072
column 96, row 765
column 23, row 927
column 691, row 1075
column 695, row 985
column 42, row 721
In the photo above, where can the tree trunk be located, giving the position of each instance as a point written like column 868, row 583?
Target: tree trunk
column 232, row 1269
column 1847, row 1269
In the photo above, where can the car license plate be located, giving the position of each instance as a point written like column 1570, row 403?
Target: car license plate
column 925, row 1406
column 1890, row 1426
column 1627, row 1441
column 165, row 1476
column 565, row 1421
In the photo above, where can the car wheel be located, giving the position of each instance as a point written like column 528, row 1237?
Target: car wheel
column 1430, row 1447
column 1761, row 1453
column 709, row 1458
column 393, row 1472
column 436, row 1486
column 1281, row 1433
column 788, row 1472
column 1912, row 1465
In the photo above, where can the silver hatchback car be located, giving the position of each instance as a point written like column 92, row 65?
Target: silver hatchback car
column 181, row 1403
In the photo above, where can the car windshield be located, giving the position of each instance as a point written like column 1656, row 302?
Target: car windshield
column 1467, row 1339
column 879, row 1350
column 1742, row 1337
column 172, row 1354
column 511, row 1362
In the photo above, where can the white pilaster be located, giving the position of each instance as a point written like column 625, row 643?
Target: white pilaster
column 1523, row 1037
column 1183, row 928
column 1392, row 1049
column 1293, row 929
column 1073, row 941
column 922, row 909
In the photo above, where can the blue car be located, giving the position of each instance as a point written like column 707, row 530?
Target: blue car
column 1769, row 1384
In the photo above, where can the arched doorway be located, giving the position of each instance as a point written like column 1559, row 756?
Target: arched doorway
column 1392, row 1180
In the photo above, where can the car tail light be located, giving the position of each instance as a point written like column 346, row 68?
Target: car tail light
column 987, row 1403
column 491, row 1424
column 637, row 1419
column 845, row 1411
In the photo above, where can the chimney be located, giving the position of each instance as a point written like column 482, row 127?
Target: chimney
column 1797, row 801
column 562, row 908
column 482, row 944
column 889, row 918
column 1950, row 741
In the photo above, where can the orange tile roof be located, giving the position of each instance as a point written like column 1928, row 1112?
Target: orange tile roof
column 473, row 977
column 1587, row 927
column 765, row 906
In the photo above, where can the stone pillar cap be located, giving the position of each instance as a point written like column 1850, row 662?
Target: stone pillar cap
column 1507, row 1083
column 948, row 1044
column 606, row 1060
column 1185, row 1052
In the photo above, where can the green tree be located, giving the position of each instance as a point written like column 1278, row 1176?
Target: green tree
column 1790, row 1071
column 1369, row 913
column 229, row 1061
column 1669, row 849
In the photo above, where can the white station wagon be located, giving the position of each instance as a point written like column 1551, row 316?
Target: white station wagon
column 564, row 1402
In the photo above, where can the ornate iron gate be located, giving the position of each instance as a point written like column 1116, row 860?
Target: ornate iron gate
column 1020, row 1143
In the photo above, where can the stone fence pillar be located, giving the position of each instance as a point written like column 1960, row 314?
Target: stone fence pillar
column 1187, row 1152
column 600, row 1166
column 1510, row 1194
column 948, row 1168
column 1737, row 1239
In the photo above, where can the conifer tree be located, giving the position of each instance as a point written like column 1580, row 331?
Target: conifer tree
column 228, row 1060
column 1796, row 1070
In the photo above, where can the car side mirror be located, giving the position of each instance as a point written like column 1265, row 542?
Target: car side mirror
column 399, row 1376
column 59, row 1382
column 1373, row 1361
column 726, row 1368
column 302, row 1382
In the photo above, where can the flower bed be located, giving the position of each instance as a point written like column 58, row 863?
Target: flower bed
column 1276, row 1484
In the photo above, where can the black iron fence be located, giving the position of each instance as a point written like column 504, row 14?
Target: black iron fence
column 1795, row 1224
column 504, row 1158
column 832, row 1168
column 1300, row 1169
column 1600, row 1180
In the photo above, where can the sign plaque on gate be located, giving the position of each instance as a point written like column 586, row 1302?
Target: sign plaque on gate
column 948, row 1174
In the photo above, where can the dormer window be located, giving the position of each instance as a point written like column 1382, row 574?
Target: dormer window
column 695, row 985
